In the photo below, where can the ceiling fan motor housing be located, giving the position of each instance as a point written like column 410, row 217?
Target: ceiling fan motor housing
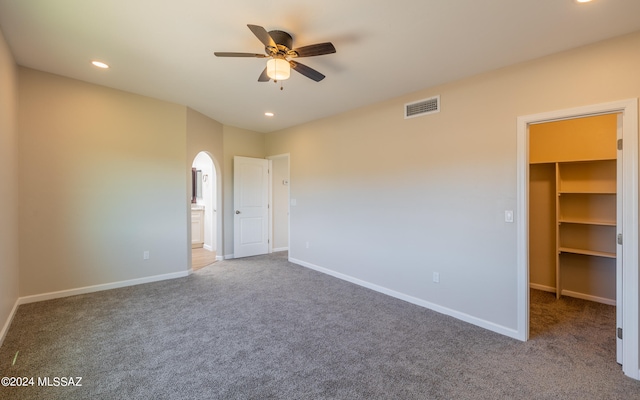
column 283, row 40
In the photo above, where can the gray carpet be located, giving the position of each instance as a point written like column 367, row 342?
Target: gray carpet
column 262, row 328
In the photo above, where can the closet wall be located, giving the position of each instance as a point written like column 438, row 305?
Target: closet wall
column 572, row 207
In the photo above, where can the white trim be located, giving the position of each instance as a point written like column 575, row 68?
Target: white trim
column 589, row 297
column 630, row 311
column 8, row 322
column 576, row 295
column 522, row 228
column 229, row 256
column 219, row 258
column 280, row 249
column 207, row 247
column 270, row 205
column 97, row 288
column 413, row 300
column 542, row 287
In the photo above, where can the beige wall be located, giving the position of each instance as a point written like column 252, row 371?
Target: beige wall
column 385, row 200
column 102, row 179
column 389, row 201
column 205, row 134
column 237, row 142
column 8, row 185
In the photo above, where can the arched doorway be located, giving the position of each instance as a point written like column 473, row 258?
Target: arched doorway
column 204, row 212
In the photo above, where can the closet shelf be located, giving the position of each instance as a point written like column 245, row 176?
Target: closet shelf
column 587, row 252
column 586, row 222
column 561, row 192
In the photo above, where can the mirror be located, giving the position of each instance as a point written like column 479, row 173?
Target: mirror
column 196, row 185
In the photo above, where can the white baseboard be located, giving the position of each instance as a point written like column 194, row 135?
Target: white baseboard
column 219, row 258
column 230, row 256
column 542, row 287
column 577, row 295
column 503, row 330
column 207, row 247
column 97, row 288
column 83, row 290
column 7, row 324
column 589, row 297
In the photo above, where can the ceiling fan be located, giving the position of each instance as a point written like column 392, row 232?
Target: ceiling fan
column 278, row 48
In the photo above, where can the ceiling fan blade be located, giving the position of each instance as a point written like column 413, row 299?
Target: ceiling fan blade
column 263, row 76
column 262, row 35
column 231, row 54
column 307, row 71
column 315, row 50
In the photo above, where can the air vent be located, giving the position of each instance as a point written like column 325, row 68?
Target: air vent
column 422, row 107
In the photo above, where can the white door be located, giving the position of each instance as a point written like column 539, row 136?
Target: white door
column 251, row 206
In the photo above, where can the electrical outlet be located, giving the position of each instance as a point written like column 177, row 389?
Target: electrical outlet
column 508, row 216
column 145, row 255
column 436, row 277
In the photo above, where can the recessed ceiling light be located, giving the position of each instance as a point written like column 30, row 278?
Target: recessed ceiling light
column 583, row 1
column 100, row 64
column 269, row 114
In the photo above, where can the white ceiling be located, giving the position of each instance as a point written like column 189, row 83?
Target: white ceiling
column 164, row 49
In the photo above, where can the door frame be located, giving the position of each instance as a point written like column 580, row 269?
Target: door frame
column 629, row 110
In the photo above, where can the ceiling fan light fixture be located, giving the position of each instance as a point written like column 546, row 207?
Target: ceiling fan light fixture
column 278, row 69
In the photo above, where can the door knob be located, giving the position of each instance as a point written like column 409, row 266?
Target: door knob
column 237, row 211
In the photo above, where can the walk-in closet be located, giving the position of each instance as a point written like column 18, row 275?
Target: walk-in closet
column 573, row 207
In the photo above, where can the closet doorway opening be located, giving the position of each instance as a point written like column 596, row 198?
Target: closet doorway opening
column 591, row 209
column 574, row 207
column 574, row 210
column 204, row 212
